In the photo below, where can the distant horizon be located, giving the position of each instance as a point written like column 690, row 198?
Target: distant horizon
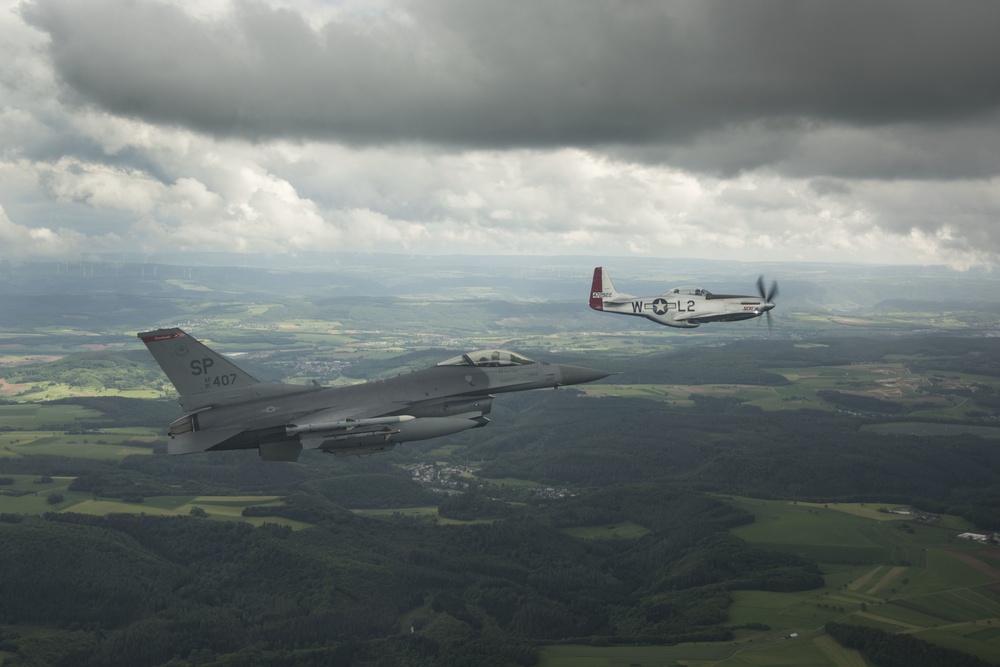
column 239, row 258
column 827, row 286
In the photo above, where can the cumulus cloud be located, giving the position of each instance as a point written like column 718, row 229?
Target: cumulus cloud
column 765, row 129
column 23, row 242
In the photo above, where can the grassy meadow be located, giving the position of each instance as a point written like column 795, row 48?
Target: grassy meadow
column 881, row 569
column 621, row 530
column 33, row 416
column 107, row 445
column 923, row 395
column 33, row 497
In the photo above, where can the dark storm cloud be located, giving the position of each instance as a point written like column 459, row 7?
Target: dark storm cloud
column 708, row 84
column 941, row 149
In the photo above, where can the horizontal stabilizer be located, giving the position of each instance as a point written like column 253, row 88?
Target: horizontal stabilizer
column 200, row 441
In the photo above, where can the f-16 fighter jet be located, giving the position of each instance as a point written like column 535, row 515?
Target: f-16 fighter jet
column 227, row 408
column 683, row 307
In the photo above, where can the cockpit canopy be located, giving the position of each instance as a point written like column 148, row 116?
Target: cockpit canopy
column 488, row 358
column 690, row 291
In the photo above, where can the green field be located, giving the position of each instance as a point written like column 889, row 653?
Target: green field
column 890, row 382
column 33, row 415
column 906, row 576
column 624, row 529
column 227, row 508
column 36, row 494
column 947, row 594
column 112, row 445
column 35, row 500
column 34, row 432
column 53, row 391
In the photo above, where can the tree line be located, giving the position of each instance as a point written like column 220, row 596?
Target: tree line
column 154, row 589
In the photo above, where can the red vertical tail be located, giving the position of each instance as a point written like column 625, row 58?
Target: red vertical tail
column 597, row 293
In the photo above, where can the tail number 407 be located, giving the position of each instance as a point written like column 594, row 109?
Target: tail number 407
column 202, row 367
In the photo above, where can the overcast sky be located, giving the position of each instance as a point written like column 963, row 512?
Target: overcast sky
column 864, row 131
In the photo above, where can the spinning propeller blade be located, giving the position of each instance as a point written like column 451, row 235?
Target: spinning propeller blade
column 768, row 296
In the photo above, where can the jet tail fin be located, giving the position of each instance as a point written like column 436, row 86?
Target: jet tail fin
column 196, row 372
column 602, row 289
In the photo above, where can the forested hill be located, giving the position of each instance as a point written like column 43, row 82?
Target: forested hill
column 725, row 448
column 347, row 590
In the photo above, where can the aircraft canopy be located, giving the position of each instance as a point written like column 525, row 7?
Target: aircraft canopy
column 488, row 358
column 705, row 294
column 692, row 291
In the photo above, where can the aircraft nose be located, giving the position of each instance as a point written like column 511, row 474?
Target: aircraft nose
column 579, row 374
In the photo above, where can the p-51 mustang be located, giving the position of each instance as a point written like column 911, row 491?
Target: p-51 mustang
column 684, row 307
column 227, row 408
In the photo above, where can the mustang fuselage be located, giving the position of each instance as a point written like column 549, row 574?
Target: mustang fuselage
column 682, row 307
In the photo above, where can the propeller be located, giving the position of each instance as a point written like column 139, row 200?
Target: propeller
column 768, row 296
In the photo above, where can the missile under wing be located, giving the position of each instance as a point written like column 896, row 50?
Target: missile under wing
column 227, row 408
